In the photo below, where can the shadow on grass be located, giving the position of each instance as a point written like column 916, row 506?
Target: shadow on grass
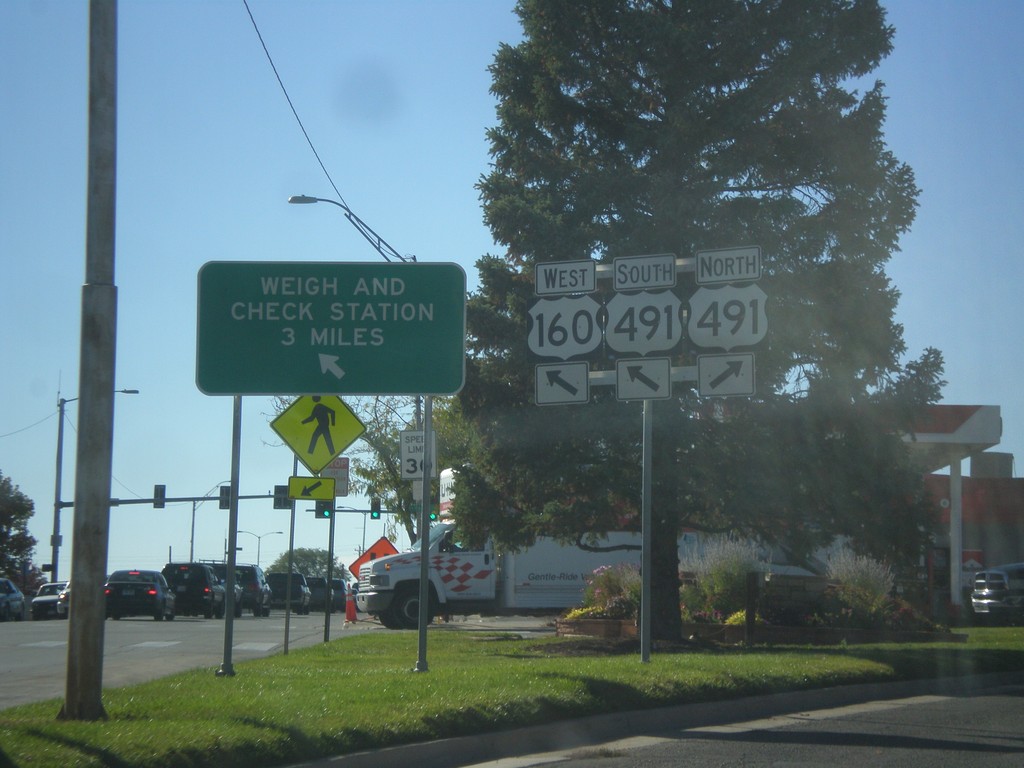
column 916, row 662
column 298, row 745
column 102, row 756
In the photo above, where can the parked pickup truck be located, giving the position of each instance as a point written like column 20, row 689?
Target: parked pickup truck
column 547, row 576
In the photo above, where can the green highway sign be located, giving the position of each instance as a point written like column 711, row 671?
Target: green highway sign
column 304, row 328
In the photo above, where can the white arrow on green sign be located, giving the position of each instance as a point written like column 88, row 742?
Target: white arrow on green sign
column 303, row 328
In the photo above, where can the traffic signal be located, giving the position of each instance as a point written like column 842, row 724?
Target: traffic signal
column 324, row 509
column 225, row 497
column 433, row 517
column 281, row 500
column 159, row 496
column 374, row 508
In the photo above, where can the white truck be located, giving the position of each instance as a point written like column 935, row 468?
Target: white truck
column 546, row 577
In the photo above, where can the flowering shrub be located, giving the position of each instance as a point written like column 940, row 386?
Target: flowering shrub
column 713, row 591
column 717, row 584
column 739, row 619
column 868, row 579
column 612, row 592
column 851, row 608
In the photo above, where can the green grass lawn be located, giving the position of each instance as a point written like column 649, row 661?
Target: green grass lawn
column 360, row 693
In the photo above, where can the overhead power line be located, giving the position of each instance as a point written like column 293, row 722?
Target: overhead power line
column 379, row 243
column 284, row 90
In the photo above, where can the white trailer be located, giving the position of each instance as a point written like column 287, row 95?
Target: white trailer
column 545, row 577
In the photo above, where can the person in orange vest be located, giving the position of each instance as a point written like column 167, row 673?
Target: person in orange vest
column 350, row 603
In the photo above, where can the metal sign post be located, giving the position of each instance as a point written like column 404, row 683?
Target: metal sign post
column 644, row 318
column 227, row 669
column 428, row 466
column 646, row 556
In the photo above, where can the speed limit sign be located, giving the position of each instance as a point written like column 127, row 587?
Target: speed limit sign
column 411, row 450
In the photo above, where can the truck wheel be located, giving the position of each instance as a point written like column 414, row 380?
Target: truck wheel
column 406, row 609
column 387, row 620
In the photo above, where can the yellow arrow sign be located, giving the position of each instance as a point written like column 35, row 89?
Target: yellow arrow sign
column 305, row 488
column 318, row 428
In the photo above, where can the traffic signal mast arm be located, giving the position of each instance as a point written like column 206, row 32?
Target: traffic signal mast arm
column 125, row 502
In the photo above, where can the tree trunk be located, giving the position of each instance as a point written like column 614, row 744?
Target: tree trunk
column 666, row 623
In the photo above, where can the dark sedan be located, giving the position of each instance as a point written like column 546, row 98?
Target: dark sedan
column 139, row 593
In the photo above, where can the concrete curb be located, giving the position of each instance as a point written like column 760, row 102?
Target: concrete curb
column 570, row 734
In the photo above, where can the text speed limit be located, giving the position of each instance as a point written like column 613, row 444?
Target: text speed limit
column 645, row 322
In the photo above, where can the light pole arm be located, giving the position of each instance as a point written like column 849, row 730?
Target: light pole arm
column 379, row 243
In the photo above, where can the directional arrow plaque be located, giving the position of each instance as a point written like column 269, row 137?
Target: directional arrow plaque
column 309, row 488
column 562, row 383
column 725, row 375
column 643, row 379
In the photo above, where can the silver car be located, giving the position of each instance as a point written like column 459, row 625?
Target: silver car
column 44, row 604
column 999, row 593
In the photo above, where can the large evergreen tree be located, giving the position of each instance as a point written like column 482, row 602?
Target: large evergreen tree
column 649, row 126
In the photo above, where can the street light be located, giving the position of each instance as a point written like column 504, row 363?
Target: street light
column 259, row 542
column 379, row 243
column 389, row 253
column 57, row 503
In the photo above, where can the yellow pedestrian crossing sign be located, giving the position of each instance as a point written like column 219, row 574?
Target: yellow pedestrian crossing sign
column 318, row 428
column 309, row 488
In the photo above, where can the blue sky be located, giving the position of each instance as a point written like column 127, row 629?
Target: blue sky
column 395, row 97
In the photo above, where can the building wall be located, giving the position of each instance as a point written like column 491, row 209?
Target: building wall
column 993, row 516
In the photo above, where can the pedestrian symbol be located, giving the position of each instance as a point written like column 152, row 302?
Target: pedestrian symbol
column 318, row 428
column 325, row 418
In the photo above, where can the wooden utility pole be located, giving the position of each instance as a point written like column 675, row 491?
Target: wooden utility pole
column 83, row 693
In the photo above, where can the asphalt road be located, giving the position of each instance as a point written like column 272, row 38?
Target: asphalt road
column 962, row 722
column 981, row 728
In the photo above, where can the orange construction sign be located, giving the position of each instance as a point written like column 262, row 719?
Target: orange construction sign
column 380, row 548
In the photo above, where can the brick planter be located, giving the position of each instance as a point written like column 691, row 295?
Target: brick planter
column 763, row 635
column 607, row 628
column 771, row 635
